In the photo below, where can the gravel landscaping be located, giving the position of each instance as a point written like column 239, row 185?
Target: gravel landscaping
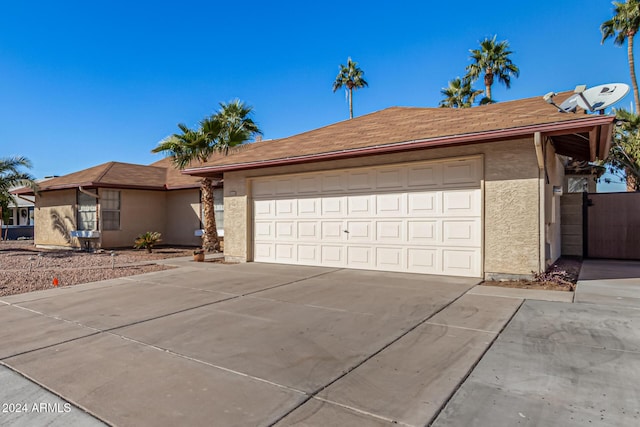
column 25, row 268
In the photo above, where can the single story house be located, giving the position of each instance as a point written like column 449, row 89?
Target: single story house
column 110, row 204
column 466, row 192
column 19, row 222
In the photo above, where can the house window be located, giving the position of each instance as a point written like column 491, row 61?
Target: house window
column 110, row 209
column 218, row 210
column 87, row 212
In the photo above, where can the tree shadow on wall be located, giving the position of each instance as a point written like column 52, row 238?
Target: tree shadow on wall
column 62, row 224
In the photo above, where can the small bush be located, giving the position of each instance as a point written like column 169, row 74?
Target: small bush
column 147, row 240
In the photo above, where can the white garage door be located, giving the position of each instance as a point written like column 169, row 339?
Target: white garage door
column 416, row 217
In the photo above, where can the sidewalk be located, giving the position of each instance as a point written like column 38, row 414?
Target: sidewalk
column 609, row 282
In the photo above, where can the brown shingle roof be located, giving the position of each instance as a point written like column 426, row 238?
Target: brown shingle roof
column 160, row 175
column 399, row 127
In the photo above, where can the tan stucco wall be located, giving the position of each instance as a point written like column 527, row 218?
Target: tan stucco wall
column 140, row 211
column 54, row 218
column 511, row 195
column 183, row 217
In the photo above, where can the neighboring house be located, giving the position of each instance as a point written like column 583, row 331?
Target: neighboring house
column 20, row 222
column 465, row 192
column 110, row 204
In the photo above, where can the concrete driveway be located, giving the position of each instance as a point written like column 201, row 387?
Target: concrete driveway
column 248, row 344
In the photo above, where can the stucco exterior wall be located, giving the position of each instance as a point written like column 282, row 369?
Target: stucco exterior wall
column 182, row 218
column 511, row 201
column 54, row 218
column 140, row 211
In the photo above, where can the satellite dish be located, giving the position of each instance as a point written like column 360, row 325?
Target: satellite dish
column 600, row 97
column 570, row 104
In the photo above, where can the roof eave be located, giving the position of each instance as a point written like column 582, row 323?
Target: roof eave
column 452, row 140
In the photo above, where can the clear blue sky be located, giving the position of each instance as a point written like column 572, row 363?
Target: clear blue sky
column 82, row 82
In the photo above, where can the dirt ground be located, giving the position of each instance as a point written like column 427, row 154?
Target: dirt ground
column 24, row 268
column 561, row 276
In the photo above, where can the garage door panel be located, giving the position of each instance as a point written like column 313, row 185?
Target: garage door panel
column 264, row 209
column 308, row 254
column 424, row 176
column 286, row 208
column 424, row 204
column 265, row 251
column 285, row 187
column 461, row 232
column 459, row 262
column 391, row 178
column 359, row 231
column 309, row 231
column 360, row 257
column 265, row 230
column 286, row 230
column 461, row 172
column 360, row 206
column 424, row 261
column 422, row 218
column 332, row 230
column 332, row 182
column 309, row 185
column 285, row 253
column 360, row 180
column 461, row 203
column 390, row 231
column 332, row 255
column 424, row 232
column 390, row 258
column 263, row 189
column 391, row 205
column 309, row 208
column 333, row 207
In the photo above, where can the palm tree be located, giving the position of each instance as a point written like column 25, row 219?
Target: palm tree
column 351, row 76
column 459, row 94
column 10, row 177
column 493, row 60
column 624, row 26
column 624, row 156
column 231, row 125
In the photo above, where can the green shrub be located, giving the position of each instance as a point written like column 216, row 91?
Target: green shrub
column 147, row 240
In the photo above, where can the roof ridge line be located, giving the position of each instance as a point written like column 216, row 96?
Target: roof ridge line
column 111, row 164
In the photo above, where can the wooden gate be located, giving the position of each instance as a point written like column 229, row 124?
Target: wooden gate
column 613, row 229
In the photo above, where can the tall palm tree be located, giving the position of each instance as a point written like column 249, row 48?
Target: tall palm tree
column 459, row 94
column 493, row 60
column 624, row 26
column 11, row 176
column 351, row 76
column 231, row 125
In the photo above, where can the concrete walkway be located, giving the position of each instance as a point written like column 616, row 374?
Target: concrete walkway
column 559, row 364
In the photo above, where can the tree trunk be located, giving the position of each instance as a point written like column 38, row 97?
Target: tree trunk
column 488, row 82
column 632, row 71
column 351, row 103
column 210, row 241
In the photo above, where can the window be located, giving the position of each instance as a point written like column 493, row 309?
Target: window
column 110, row 209
column 218, row 208
column 87, row 212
